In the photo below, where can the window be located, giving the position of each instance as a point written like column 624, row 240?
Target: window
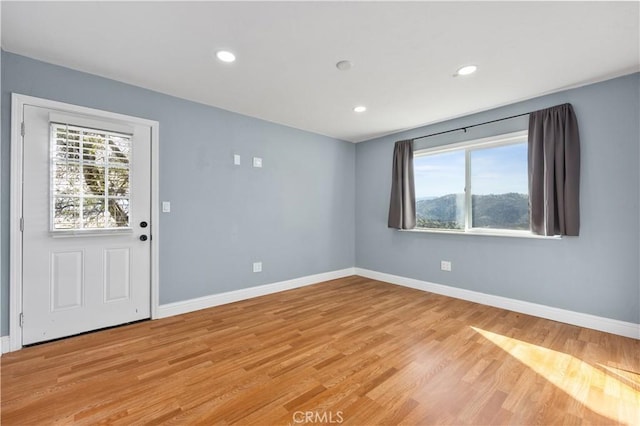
column 89, row 178
column 474, row 186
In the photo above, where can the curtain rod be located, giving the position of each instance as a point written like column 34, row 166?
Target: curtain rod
column 472, row 125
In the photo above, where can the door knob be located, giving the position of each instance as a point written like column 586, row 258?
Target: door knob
column 143, row 238
column 143, row 224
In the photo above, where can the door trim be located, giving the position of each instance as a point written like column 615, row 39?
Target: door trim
column 18, row 102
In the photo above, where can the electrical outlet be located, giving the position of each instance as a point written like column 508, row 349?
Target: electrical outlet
column 257, row 266
column 257, row 162
column 236, row 159
column 445, row 265
column 166, row 207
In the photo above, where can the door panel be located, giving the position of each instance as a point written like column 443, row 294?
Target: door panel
column 67, row 280
column 117, row 263
column 84, row 196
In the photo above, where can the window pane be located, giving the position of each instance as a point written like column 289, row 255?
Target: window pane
column 499, row 187
column 118, row 182
column 439, row 181
column 66, row 179
column 119, row 150
column 67, row 147
column 93, row 213
column 118, row 214
column 93, row 180
column 93, row 148
column 66, row 213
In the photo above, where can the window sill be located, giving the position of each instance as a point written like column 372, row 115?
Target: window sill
column 99, row 232
column 483, row 233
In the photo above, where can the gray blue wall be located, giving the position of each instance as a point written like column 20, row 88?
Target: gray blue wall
column 295, row 214
column 596, row 273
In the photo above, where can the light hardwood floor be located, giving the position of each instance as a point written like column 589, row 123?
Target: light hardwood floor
column 351, row 351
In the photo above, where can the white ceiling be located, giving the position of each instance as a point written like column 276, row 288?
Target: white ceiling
column 404, row 54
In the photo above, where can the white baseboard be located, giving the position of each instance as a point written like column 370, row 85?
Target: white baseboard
column 5, row 344
column 622, row 328
column 182, row 307
column 608, row 325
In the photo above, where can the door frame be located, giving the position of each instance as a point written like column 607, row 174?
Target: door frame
column 18, row 102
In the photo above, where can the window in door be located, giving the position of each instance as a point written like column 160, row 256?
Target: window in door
column 89, row 178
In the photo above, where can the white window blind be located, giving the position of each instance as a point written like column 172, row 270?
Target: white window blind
column 90, row 174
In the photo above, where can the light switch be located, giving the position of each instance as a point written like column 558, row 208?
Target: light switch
column 257, row 162
column 166, row 207
column 236, row 159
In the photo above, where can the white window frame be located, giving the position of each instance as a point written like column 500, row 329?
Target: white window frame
column 468, row 146
column 98, row 127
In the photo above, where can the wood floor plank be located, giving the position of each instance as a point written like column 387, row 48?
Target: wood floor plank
column 350, row 351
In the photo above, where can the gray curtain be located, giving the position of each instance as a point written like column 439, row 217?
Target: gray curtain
column 402, row 207
column 554, row 171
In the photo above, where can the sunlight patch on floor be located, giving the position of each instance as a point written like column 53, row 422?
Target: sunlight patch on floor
column 611, row 395
column 626, row 376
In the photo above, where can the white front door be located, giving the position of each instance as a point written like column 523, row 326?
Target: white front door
column 86, row 212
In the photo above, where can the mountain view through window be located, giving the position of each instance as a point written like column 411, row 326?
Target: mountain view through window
column 497, row 185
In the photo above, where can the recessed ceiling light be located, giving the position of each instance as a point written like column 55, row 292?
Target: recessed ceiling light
column 466, row 70
column 360, row 108
column 344, row 65
column 225, row 56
